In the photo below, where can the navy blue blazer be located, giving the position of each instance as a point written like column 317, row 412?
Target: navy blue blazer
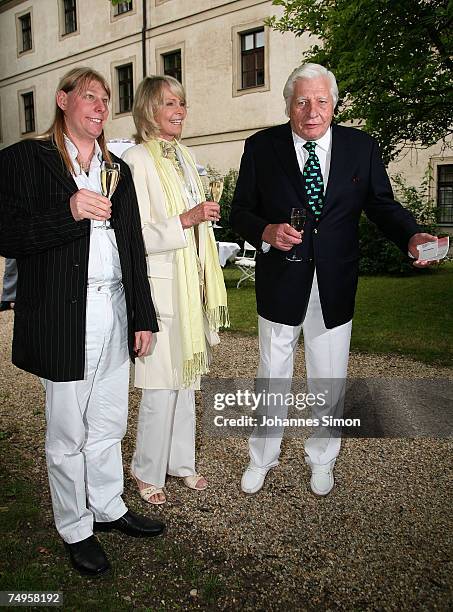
column 270, row 184
column 51, row 249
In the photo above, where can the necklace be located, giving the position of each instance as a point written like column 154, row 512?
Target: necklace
column 85, row 164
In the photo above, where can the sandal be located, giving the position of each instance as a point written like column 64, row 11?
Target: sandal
column 149, row 491
column 192, row 481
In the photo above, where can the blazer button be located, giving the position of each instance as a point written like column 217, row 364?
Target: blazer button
column 74, row 301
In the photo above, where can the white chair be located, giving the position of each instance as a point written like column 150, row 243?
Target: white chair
column 246, row 263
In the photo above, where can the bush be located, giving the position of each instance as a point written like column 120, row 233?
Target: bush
column 225, row 233
column 377, row 254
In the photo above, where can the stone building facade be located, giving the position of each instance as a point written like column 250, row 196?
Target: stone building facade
column 232, row 66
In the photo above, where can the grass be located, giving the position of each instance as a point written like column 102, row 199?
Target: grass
column 158, row 575
column 410, row 315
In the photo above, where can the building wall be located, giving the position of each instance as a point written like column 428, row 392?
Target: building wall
column 207, row 31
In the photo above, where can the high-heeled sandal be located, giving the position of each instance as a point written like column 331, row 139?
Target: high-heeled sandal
column 149, row 491
column 192, row 481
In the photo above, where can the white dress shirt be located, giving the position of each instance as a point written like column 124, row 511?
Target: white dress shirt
column 104, row 262
column 323, row 151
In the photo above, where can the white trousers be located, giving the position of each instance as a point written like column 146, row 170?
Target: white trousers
column 165, row 435
column 326, row 362
column 86, row 421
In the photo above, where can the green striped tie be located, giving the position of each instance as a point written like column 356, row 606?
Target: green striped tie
column 314, row 185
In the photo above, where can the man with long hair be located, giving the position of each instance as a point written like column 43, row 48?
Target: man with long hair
column 83, row 307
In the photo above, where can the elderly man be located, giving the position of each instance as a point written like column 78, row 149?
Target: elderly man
column 83, row 307
column 334, row 173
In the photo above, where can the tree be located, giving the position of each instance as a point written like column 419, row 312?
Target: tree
column 392, row 60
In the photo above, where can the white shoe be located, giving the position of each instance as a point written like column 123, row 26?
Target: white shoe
column 322, row 479
column 253, row 479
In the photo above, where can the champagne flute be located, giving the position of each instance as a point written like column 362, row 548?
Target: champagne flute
column 110, row 175
column 298, row 216
column 216, row 187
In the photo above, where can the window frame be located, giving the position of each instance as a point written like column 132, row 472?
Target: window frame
column 448, row 216
column 237, row 34
column 114, row 68
column 63, row 35
column 19, row 32
column 175, row 53
column 114, row 16
column 161, row 52
column 118, row 13
column 24, row 133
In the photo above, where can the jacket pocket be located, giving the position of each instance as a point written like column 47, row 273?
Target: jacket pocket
column 161, row 281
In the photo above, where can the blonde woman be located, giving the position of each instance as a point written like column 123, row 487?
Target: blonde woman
column 186, row 284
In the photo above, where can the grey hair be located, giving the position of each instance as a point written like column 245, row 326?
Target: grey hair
column 309, row 71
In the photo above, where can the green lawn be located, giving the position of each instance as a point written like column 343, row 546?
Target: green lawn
column 404, row 315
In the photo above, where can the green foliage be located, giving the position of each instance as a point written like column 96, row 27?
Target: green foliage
column 377, row 254
column 226, row 234
column 392, row 315
column 392, row 61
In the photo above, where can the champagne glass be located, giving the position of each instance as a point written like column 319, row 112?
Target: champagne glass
column 216, row 187
column 110, row 175
column 298, row 216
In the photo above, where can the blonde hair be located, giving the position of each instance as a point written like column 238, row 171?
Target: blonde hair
column 147, row 100
column 78, row 80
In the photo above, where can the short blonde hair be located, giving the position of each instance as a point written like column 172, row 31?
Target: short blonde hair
column 147, row 100
column 78, row 80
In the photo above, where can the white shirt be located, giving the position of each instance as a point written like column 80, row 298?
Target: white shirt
column 323, row 151
column 103, row 262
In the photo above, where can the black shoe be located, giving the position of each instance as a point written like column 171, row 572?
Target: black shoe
column 88, row 557
column 133, row 525
column 6, row 306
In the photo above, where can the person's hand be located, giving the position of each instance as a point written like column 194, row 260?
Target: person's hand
column 282, row 236
column 206, row 211
column 86, row 204
column 142, row 343
column 416, row 240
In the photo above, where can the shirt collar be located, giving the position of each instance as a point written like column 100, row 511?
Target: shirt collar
column 323, row 142
column 73, row 152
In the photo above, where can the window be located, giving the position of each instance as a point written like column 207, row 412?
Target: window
column 172, row 64
column 25, row 32
column 252, row 58
column 122, row 7
column 70, row 17
column 28, row 112
column 445, row 193
column 125, row 88
column 250, row 63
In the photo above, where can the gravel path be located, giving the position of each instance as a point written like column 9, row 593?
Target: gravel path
column 382, row 540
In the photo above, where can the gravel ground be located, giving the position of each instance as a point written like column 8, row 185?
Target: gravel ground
column 382, row 540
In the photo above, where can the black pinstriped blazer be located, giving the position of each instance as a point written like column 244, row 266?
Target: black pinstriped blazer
column 51, row 248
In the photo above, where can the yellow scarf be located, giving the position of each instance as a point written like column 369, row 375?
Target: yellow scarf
column 201, row 288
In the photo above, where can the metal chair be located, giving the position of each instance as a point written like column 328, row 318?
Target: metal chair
column 246, row 263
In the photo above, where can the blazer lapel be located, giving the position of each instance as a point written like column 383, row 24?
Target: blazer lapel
column 286, row 154
column 51, row 157
column 340, row 161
